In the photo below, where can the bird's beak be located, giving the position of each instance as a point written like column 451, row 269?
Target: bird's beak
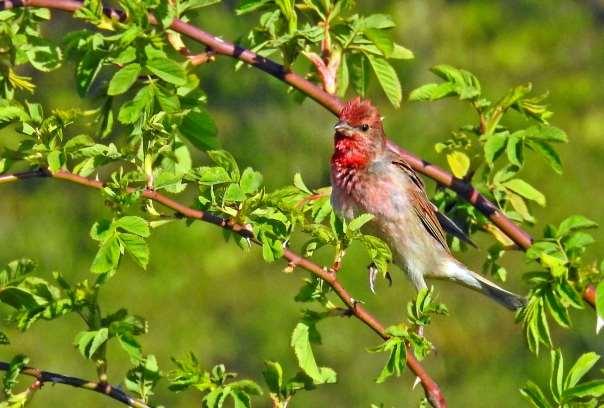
column 343, row 127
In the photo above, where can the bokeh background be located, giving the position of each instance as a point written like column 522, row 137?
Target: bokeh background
column 203, row 295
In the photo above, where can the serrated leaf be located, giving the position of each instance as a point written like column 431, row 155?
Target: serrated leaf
column 524, row 189
column 574, row 223
column 123, row 79
column 547, row 152
column 300, row 341
column 432, row 92
column 381, row 39
column 107, row 257
column 137, row 247
column 135, row 225
column 87, row 69
column 359, row 73
column 168, row 70
column 199, row 128
column 387, row 78
column 251, row 180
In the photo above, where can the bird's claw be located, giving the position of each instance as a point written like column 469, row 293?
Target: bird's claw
column 417, row 381
column 355, row 302
column 373, row 271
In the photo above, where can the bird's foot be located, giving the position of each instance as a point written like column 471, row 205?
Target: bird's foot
column 373, row 271
column 355, row 302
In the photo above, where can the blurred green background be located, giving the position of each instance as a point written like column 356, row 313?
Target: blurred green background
column 203, row 295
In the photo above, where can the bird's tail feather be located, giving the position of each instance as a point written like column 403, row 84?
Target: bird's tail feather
column 478, row 282
column 506, row 298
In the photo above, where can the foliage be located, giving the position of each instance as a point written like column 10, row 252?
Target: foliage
column 150, row 132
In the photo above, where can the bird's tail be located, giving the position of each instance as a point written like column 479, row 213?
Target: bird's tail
column 481, row 284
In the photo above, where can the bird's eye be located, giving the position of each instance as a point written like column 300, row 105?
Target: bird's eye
column 365, row 127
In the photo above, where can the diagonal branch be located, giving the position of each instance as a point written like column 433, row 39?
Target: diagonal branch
column 43, row 377
column 431, row 388
column 330, row 102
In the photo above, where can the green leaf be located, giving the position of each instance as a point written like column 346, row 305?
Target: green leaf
column 234, row 193
column 594, row 389
column 107, row 257
column 199, row 128
column 137, row 247
column 546, row 133
column 87, row 69
column 123, row 79
column 533, row 393
column 574, row 223
column 379, row 21
column 55, row 161
column 342, row 77
column 359, row 73
column 494, row 146
column 381, row 39
column 300, row 341
column 247, row 6
column 225, row 160
column 547, row 152
column 459, row 162
column 11, row 377
column 524, row 189
column 299, row 184
column 556, row 373
column 273, row 375
column 43, row 55
column 358, row 222
column 580, row 368
column 132, row 110
column 432, row 92
column 400, row 52
column 250, row 181
column 135, row 225
column 387, row 78
column 88, row 342
column 168, row 70
column 514, row 150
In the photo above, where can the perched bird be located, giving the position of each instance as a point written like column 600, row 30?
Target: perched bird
column 367, row 177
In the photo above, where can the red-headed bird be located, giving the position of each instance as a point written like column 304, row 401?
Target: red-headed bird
column 367, row 177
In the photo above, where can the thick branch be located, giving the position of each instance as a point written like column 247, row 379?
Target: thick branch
column 431, row 388
column 43, row 377
column 330, row 102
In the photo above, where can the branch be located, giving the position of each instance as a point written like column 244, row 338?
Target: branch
column 431, row 388
column 330, row 102
column 43, row 377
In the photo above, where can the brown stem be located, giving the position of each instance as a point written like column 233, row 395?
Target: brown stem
column 431, row 388
column 43, row 377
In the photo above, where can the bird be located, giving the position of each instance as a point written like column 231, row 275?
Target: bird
column 368, row 177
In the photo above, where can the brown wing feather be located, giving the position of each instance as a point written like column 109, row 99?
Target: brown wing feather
column 422, row 206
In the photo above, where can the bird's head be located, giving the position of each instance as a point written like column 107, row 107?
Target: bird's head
column 359, row 131
column 360, row 121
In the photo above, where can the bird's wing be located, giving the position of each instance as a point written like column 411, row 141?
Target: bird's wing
column 452, row 228
column 423, row 208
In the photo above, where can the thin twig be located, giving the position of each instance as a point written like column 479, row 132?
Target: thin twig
column 431, row 388
column 43, row 377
